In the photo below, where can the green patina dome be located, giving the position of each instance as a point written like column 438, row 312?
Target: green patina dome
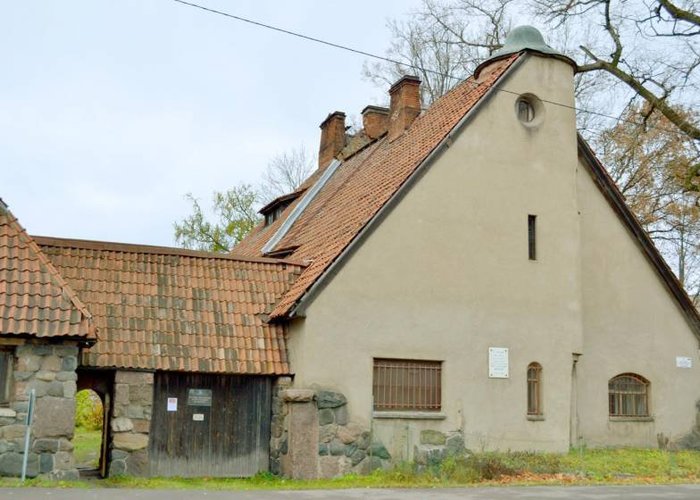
column 521, row 38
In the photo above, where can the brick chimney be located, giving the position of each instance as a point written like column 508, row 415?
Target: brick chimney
column 375, row 121
column 405, row 105
column 332, row 138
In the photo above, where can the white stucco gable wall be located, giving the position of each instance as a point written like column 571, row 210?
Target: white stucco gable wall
column 446, row 275
column 631, row 324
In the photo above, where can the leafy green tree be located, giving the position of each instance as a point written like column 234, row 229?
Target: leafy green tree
column 235, row 211
column 235, row 215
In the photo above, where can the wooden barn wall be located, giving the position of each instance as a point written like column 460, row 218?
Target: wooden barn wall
column 229, row 438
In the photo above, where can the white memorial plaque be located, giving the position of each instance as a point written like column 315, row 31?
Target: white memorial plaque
column 172, row 404
column 198, row 417
column 498, row 362
column 684, row 362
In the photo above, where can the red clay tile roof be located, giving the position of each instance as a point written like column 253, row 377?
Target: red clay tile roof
column 34, row 298
column 172, row 309
column 363, row 184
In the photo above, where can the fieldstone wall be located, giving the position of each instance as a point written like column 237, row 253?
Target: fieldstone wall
column 691, row 441
column 130, row 423
column 436, row 446
column 312, row 437
column 50, row 371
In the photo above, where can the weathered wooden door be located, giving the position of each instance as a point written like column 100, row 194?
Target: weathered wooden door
column 210, row 425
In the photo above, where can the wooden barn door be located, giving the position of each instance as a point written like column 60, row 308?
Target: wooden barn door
column 210, row 425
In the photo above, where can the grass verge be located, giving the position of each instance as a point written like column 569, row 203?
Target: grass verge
column 601, row 466
column 86, row 447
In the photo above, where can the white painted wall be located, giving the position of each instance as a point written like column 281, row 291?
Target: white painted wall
column 631, row 324
column 446, row 276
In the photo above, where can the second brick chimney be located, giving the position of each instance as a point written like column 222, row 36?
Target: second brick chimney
column 332, row 138
column 375, row 121
column 405, row 105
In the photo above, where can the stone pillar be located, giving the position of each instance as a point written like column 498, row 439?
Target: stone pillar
column 301, row 459
column 131, row 422
column 50, row 371
column 278, row 428
column 313, row 437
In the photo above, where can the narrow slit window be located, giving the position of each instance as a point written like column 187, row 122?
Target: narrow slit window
column 532, row 237
column 5, row 375
column 534, row 389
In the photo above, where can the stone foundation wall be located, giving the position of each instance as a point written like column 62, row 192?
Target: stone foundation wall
column 130, row 423
column 690, row 441
column 50, row 371
column 312, row 437
column 436, row 446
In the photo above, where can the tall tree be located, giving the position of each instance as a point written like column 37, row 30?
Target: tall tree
column 285, row 172
column 234, row 212
column 650, row 47
column 235, row 215
column 442, row 43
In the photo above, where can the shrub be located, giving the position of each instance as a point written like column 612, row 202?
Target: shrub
column 88, row 410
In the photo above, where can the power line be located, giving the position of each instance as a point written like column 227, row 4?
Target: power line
column 312, row 39
column 408, row 65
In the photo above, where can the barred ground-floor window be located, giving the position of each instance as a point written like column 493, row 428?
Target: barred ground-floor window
column 407, row 385
column 628, row 395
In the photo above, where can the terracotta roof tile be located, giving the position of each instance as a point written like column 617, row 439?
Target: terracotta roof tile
column 172, row 309
column 34, row 298
column 363, row 184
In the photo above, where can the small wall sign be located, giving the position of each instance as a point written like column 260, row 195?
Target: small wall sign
column 498, row 362
column 199, row 397
column 684, row 362
column 172, row 404
column 198, row 417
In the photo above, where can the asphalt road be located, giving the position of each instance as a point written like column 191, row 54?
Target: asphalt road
column 676, row 492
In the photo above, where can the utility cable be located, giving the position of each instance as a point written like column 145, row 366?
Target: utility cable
column 409, row 65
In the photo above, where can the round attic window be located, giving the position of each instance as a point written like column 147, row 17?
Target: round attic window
column 529, row 110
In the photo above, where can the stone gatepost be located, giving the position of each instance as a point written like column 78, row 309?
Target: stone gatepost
column 301, row 458
column 312, row 437
column 131, row 422
column 50, row 371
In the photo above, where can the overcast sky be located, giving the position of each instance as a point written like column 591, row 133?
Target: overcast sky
column 111, row 111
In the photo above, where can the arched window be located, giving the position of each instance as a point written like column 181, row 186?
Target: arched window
column 534, row 389
column 628, row 396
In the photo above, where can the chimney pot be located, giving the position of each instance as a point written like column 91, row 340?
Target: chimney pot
column 332, row 138
column 405, row 105
column 375, row 121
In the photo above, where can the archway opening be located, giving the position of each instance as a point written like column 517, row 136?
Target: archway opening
column 89, row 419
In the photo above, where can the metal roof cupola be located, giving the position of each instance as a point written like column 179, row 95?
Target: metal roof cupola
column 523, row 38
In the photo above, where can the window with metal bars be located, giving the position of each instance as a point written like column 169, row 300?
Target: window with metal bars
column 534, row 389
column 628, row 396
column 5, row 375
column 407, row 385
column 532, row 237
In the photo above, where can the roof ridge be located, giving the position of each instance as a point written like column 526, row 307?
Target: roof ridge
column 52, row 241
